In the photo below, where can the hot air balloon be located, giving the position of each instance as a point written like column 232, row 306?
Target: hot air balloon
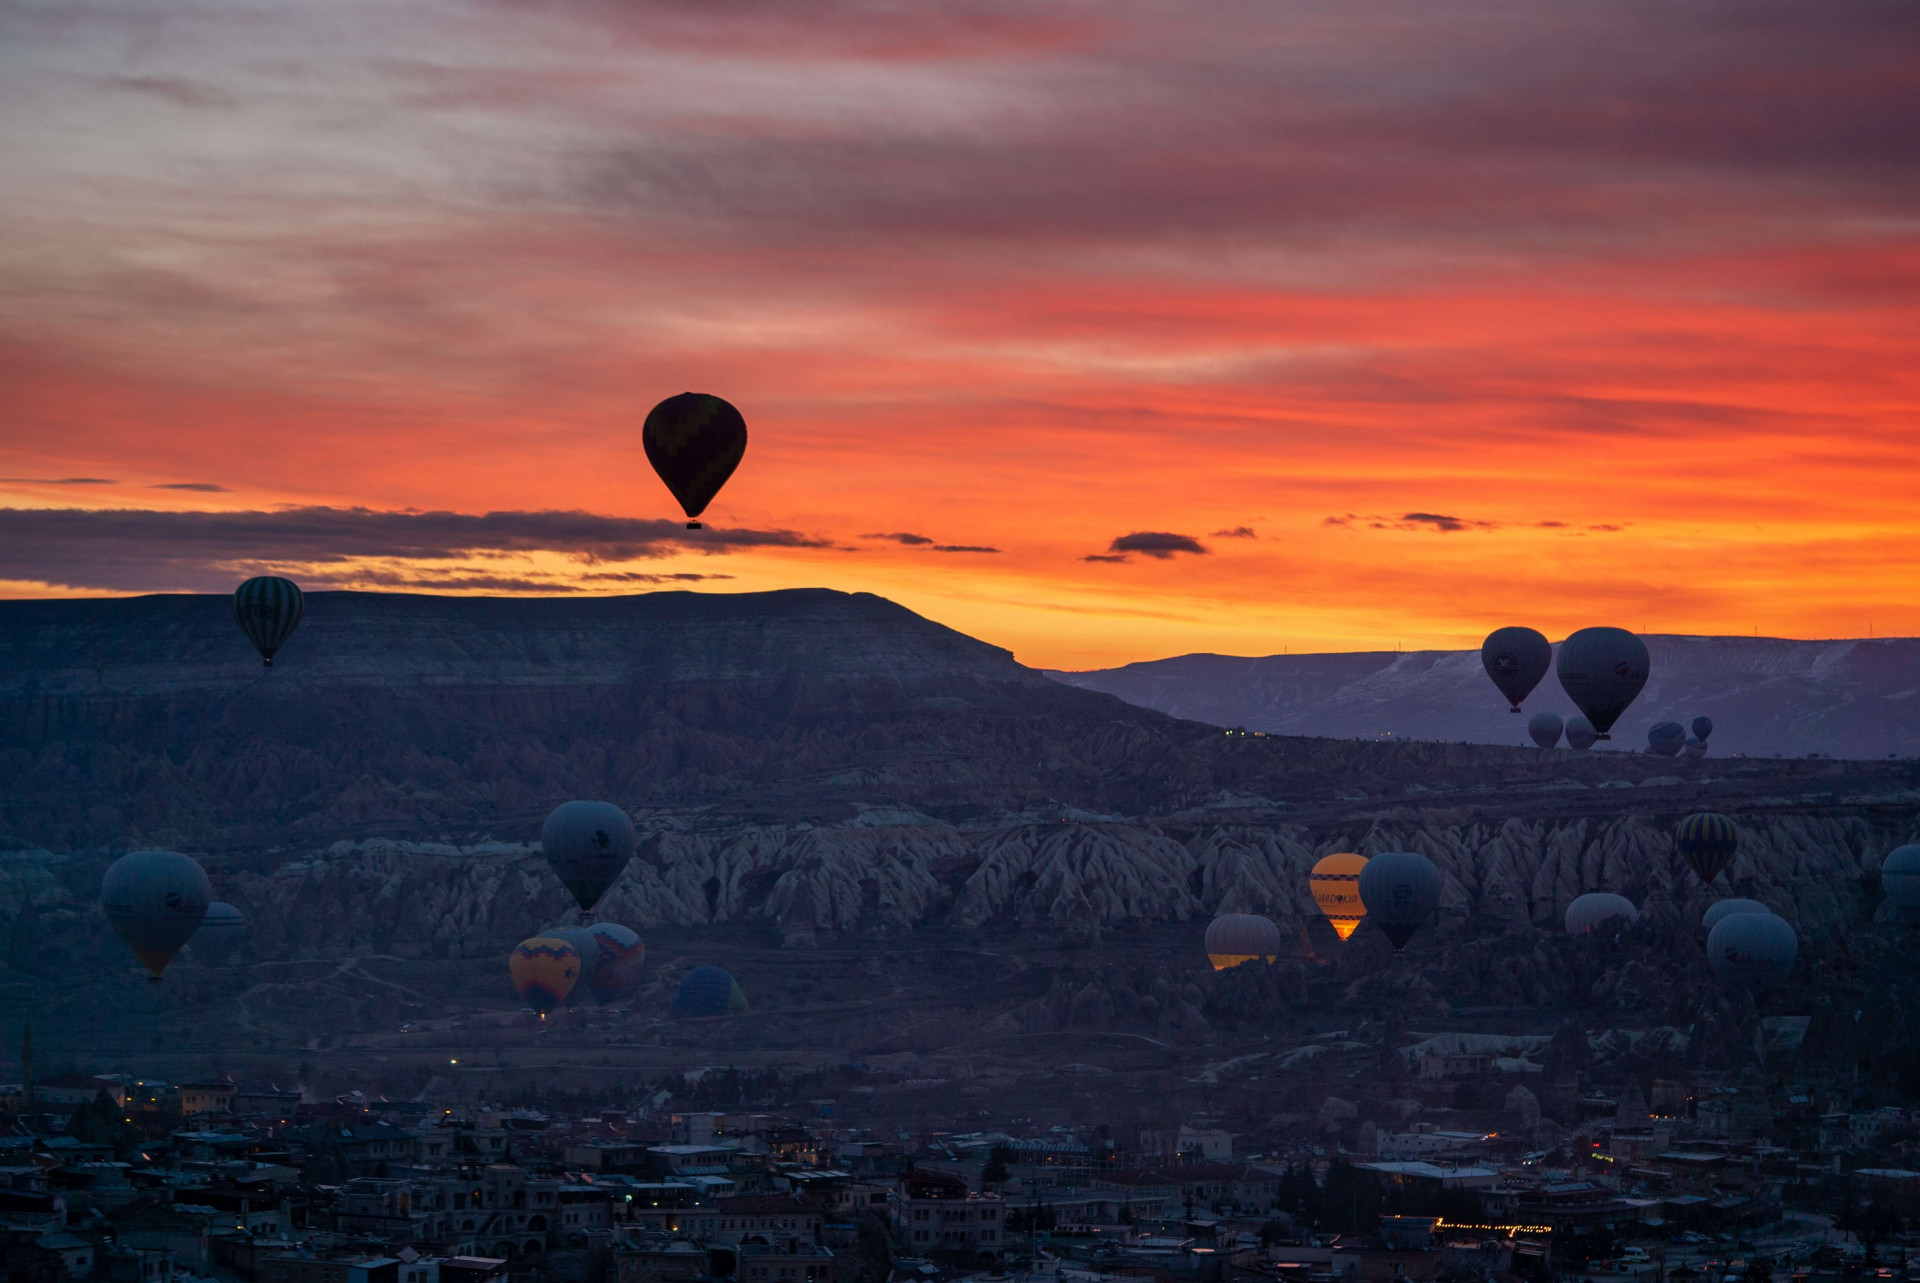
column 220, row 933
column 1590, row 911
column 1401, row 889
column 1666, row 739
column 1702, row 727
column 155, row 901
column 1335, row 883
column 694, row 441
column 1545, row 729
column 587, row 844
column 544, row 971
column 1900, row 879
column 622, row 953
column 1752, row 951
column 1720, row 910
column 707, row 991
column 1234, row 938
column 1603, row 670
column 1516, row 659
column 1580, row 733
column 268, row 609
column 585, row 944
column 1708, row 842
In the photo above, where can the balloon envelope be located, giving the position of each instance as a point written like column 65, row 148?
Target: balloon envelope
column 1752, row 951
column 544, row 971
column 1708, row 842
column 622, row 954
column 1545, row 729
column 268, row 609
column 1900, row 878
column 1580, row 732
column 1516, row 659
column 1590, row 911
column 155, row 901
column 1335, row 883
column 707, row 991
column 585, row 944
column 1401, row 889
column 1720, row 910
column 1702, row 727
column 1234, row 938
column 1603, row 670
column 220, row 933
column 1667, row 738
column 587, row 845
column 694, row 441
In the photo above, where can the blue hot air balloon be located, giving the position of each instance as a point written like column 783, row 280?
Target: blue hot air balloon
column 1590, row 911
column 1702, row 727
column 1752, row 951
column 587, row 845
column 707, row 991
column 1516, row 659
column 1580, row 733
column 1603, row 670
column 1900, row 879
column 1401, row 889
column 155, row 901
column 1545, row 729
column 1720, row 910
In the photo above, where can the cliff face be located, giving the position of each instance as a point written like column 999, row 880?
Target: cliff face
column 1767, row 696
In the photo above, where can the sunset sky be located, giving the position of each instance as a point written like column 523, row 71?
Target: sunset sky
column 1372, row 323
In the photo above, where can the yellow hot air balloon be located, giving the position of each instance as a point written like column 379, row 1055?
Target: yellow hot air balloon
column 544, row 972
column 1336, row 889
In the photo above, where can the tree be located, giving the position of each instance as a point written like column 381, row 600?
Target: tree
column 995, row 1172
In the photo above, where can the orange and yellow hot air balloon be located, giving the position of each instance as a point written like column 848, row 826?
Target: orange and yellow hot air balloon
column 544, row 972
column 1336, row 889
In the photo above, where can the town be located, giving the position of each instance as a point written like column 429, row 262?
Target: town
column 132, row 1180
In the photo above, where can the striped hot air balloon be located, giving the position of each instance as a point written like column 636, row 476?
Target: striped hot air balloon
column 1234, row 938
column 1708, row 842
column 1335, row 883
column 544, row 971
column 694, row 441
column 268, row 609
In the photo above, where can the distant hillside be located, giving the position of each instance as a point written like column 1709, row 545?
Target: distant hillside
column 1766, row 696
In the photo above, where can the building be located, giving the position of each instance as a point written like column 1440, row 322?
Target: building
column 208, row 1097
column 936, row 1213
column 804, row 1264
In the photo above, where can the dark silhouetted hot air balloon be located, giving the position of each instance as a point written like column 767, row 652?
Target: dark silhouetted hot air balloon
column 155, row 901
column 1752, row 951
column 1335, row 883
column 1516, row 659
column 1666, row 739
column 694, row 441
column 1720, row 910
column 268, row 609
column 622, row 955
column 1708, row 842
column 220, row 933
column 1234, row 938
column 1603, row 670
column 1590, row 911
column 1900, row 879
column 1702, row 727
column 1401, row 889
column 544, row 970
column 587, row 844
column 707, row 991
column 1580, row 733
column 1545, row 729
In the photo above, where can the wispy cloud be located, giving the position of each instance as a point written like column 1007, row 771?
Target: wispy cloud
column 1236, row 532
column 61, row 481
column 148, row 550
column 201, row 487
column 1158, row 544
column 902, row 537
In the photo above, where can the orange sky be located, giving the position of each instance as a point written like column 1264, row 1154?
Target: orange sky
column 1415, row 320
